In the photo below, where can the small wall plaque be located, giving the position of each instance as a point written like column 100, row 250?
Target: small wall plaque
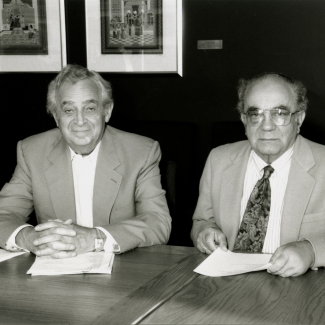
column 209, row 45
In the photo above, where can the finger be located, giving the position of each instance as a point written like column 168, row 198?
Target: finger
column 51, row 238
column 45, row 252
column 275, row 255
column 60, row 246
column 62, row 231
column 67, row 222
column 220, row 238
column 288, row 273
column 210, row 243
column 201, row 247
column 50, row 225
column 278, row 265
column 46, row 239
column 201, row 244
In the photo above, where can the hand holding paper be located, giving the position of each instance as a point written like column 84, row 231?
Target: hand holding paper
column 209, row 239
column 292, row 259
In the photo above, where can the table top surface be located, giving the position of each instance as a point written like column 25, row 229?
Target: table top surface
column 78, row 299
column 157, row 285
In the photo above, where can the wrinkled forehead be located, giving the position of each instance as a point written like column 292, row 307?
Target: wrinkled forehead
column 80, row 90
column 270, row 93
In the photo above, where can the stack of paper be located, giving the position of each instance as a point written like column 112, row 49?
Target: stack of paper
column 221, row 263
column 94, row 262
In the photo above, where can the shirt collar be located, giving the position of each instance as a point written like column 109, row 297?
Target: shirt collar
column 92, row 156
column 278, row 164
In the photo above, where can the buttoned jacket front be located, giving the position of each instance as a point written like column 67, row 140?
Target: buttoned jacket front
column 128, row 200
column 221, row 190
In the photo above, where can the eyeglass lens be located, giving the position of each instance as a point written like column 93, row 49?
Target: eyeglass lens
column 279, row 116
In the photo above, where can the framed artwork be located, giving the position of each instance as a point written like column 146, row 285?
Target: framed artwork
column 140, row 36
column 131, row 27
column 32, row 35
column 23, row 27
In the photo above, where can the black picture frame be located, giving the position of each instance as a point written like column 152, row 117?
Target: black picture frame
column 24, row 38
column 131, row 28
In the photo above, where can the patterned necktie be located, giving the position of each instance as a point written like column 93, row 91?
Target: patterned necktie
column 253, row 228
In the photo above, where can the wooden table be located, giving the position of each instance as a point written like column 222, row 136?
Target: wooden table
column 78, row 299
column 157, row 285
column 253, row 298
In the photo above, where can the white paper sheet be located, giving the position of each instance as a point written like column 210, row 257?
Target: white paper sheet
column 221, row 263
column 5, row 255
column 94, row 262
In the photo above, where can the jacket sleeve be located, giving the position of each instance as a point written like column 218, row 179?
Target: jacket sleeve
column 16, row 199
column 203, row 216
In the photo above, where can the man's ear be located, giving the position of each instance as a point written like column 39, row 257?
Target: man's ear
column 243, row 118
column 108, row 111
column 56, row 118
column 300, row 119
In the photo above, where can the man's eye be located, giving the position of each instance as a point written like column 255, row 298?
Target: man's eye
column 91, row 108
column 253, row 114
column 282, row 112
column 68, row 111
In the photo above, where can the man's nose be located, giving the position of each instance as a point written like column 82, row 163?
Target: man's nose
column 80, row 119
column 267, row 123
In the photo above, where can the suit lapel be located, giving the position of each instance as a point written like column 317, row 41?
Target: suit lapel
column 232, row 185
column 299, row 189
column 59, row 179
column 107, row 180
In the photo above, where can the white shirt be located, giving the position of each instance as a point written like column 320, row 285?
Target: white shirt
column 278, row 182
column 83, row 169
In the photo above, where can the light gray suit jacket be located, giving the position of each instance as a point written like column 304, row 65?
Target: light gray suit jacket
column 128, row 200
column 221, row 190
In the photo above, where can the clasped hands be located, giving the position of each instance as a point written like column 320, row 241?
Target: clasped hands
column 57, row 238
column 292, row 259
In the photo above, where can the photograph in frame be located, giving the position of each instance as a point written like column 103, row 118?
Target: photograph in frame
column 133, row 26
column 32, row 36
column 23, row 27
column 133, row 60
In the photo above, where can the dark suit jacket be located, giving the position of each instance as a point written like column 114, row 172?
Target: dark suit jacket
column 128, row 199
column 221, row 190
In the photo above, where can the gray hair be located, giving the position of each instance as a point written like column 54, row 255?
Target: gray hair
column 72, row 74
column 297, row 87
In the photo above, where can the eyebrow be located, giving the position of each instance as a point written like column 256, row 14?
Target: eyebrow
column 88, row 101
column 253, row 108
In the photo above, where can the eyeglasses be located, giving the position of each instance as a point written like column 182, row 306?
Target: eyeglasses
column 280, row 116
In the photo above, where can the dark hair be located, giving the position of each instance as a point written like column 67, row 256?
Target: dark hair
column 72, row 74
column 297, row 87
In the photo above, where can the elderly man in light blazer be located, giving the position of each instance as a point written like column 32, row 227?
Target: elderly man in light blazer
column 288, row 218
column 93, row 187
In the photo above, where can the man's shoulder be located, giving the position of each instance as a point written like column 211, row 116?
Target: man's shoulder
column 36, row 147
column 303, row 145
column 52, row 135
column 314, row 145
column 231, row 151
column 130, row 140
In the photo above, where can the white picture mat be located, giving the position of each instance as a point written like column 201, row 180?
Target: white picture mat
column 168, row 62
column 56, row 57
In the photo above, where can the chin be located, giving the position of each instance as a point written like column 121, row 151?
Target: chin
column 81, row 141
